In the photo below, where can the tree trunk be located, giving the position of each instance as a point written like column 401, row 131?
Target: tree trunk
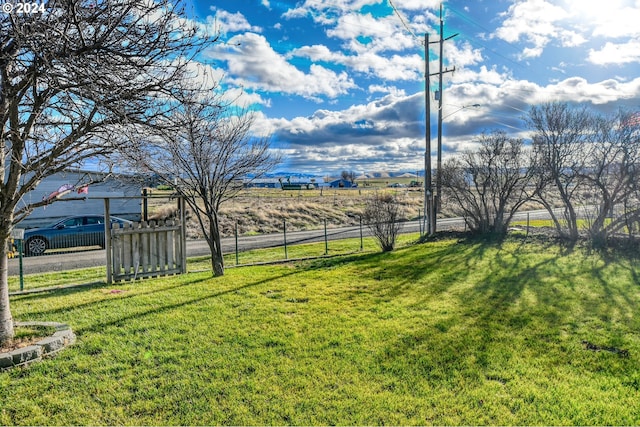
column 6, row 320
column 572, row 219
column 217, row 264
column 215, row 244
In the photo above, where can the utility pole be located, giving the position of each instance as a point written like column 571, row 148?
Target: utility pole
column 433, row 204
column 428, row 190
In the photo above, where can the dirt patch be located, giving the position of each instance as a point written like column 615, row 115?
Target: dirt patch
column 26, row 336
column 595, row 347
column 20, row 343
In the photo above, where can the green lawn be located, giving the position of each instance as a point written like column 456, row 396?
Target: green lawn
column 447, row 332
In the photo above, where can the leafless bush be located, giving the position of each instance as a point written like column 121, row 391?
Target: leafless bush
column 489, row 185
column 381, row 214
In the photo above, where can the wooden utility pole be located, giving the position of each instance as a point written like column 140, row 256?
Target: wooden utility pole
column 433, row 204
column 429, row 215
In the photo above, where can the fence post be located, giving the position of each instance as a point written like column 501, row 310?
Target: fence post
column 183, row 233
column 284, row 222
column 326, row 240
column 236, row 234
column 107, row 240
column 527, row 235
column 145, row 205
column 20, row 247
column 361, row 243
column 419, row 222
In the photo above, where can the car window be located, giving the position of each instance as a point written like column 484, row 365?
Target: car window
column 72, row 222
column 90, row 220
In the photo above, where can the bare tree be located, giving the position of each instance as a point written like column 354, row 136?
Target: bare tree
column 487, row 186
column 68, row 77
column 591, row 164
column 382, row 214
column 205, row 151
column 610, row 175
column 560, row 136
column 349, row 176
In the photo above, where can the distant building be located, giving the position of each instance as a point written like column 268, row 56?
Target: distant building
column 262, row 183
column 342, row 183
column 71, row 184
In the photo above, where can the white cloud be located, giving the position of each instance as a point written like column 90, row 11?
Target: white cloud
column 244, row 98
column 483, row 75
column 613, row 53
column 571, row 23
column 297, row 12
column 385, row 33
column 533, row 20
column 529, row 17
column 387, row 89
column 252, row 63
column 233, row 22
column 394, row 68
column 387, row 133
column 384, row 134
column 610, row 19
column 462, row 54
column 419, row 5
column 522, row 93
column 578, row 89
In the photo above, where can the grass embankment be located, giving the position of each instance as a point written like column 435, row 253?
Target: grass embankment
column 443, row 333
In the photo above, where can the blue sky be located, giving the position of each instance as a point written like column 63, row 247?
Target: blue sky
column 339, row 84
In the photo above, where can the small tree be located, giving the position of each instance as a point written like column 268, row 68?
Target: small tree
column 487, row 186
column 205, row 150
column 382, row 214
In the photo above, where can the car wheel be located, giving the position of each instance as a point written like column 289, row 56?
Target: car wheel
column 36, row 246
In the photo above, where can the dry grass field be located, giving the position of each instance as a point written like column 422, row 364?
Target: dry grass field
column 261, row 210
column 257, row 211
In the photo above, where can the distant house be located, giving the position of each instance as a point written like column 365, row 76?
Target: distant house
column 71, row 184
column 342, row 183
column 262, row 183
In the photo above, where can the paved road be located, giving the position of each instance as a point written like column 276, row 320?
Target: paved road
column 95, row 258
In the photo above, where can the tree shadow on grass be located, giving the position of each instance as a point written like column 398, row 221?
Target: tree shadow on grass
column 413, row 268
column 521, row 300
column 79, row 290
column 55, row 292
column 100, row 326
column 466, row 339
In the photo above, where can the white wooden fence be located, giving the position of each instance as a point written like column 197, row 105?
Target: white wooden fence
column 145, row 249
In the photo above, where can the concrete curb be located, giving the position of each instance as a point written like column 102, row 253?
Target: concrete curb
column 46, row 347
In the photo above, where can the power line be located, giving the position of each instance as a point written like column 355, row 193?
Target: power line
column 397, row 12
